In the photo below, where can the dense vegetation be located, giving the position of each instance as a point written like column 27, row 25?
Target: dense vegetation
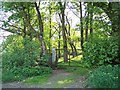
column 100, row 51
column 20, row 59
column 104, row 77
column 38, row 27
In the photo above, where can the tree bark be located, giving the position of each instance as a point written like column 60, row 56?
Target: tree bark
column 81, row 25
column 62, row 8
column 41, row 36
column 27, row 21
column 86, row 30
column 24, row 30
column 74, row 51
column 50, row 35
column 59, row 34
column 91, row 18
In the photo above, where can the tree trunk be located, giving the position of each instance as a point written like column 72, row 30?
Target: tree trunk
column 62, row 8
column 59, row 41
column 91, row 19
column 87, row 22
column 81, row 25
column 24, row 31
column 74, row 51
column 41, row 36
column 50, row 35
column 86, row 30
column 27, row 22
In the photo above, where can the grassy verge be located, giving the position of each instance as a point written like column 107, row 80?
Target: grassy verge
column 74, row 66
column 8, row 76
column 77, row 70
column 37, row 79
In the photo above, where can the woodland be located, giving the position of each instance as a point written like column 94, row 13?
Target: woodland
column 82, row 38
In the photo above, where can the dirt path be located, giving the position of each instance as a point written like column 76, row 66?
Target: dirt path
column 59, row 79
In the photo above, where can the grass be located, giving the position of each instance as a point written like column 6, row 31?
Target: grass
column 75, row 66
column 37, row 79
column 73, row 63
column 77, row 58
column 64, row 82
column 77, row 70
column 60, row 81
column 8, row 76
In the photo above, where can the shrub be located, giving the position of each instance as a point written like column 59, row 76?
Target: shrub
column 100, row 51
column 7, row 76
column 31, row 71
column 103, row 77
column 20, row 57
column 20, row 52
column 24, row 72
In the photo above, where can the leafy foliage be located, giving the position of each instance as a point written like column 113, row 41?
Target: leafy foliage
column 103, row 77
column 31, row 71
column 100, row 51
column 37, row 80
column 20, row 59
column 7, row 76
column 24, row 72
column 20, row 52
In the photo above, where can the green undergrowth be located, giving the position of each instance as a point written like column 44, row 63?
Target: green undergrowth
column 66, row 81
column 104, row 77
column 19, row 74
column 77, row 58
column 74, row 66
column 77, row 70
column 61, row 80
column 73, row 63
column 37, row 79
column 50, row 81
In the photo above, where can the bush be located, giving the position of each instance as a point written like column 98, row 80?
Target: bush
column 20, row 52
column 21, row 73
column 100, row 51
column 103, row 77
column 20, row 59
column 31, row 71
column 7, row 76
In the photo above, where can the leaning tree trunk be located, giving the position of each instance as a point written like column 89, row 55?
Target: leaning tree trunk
column 74, row 51
column 40, row 37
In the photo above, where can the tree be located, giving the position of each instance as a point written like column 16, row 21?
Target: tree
column 91, row 17
column 81, row 25
column 41, row 35
column 62, row 9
